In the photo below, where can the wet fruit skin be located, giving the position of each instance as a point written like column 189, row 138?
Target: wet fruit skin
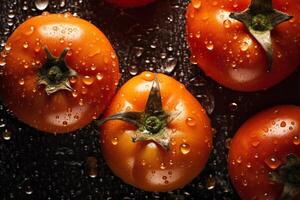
column 261, row 146
column 225, row 51
column 146, row 165
column 130, row 3
column 91, row 56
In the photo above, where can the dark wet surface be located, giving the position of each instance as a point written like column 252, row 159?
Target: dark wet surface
column 37, row 165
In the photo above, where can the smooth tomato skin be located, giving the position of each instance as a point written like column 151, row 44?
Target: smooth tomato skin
column 226, row 52
column 272, row 134
column 147, row 165
column 90, row 55
column 130, row 3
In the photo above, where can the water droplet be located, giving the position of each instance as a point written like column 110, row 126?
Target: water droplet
column 21, row 81
column 92, row 166
column 148, row 76
column 29, row 31
column 162, row 166
column 210, row 183
column 196, row 4
column 7, row 47
column 25, row 45
column 28, row 190
column 233, row 107
column 209, row 46
column 99, row 76
column 239, row 160
column 114, row 140
column 296, row 140
column 185, row 148
column 138, row 51
column 273, row 162
column 133, row 70
column 88, row 80
column 62, row 3
column 6, row 135
column 283, row 124
column 41, row 4
column 143, row 162
column 2, row 63
column 65, row 123
column 245, row 183
column 190, row 121
column 73, row 79
column 80, row 102
column 170, row 65
column 61, row 40
column 227, row 23
column 244, row 46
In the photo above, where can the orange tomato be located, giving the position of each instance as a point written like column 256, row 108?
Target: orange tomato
column 154, row 159
column 59, row 72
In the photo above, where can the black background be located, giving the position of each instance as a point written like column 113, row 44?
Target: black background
column 37, row 165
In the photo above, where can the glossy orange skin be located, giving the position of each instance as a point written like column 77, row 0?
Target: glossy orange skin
column 146, row 165
column 90, row 54
column 130, row 3
column 218, row 46
column 274, row 133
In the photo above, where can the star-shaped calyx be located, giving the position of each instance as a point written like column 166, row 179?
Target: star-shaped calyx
column 288, row 175
column 260, row 19
column 55, row 73
column 152, row 123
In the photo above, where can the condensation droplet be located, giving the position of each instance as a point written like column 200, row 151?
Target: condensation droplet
column 209, row 46
column 2, row 63
column 233, row 107
column 21, row 81
column 185, row 148
column 210, row 183
column 283, row 124
column 190, row 121
column 88, row 80
column 133, row 70
column 148, row 76
column 162, row 166
column 114, row 140
column 273, row 162
column 41, row 4
column 245, row 183
column 25, row 45
column 92, row 166
column 244, row 46
column 6, row 135
column 170, row 65
column 227, row 23
column 239, row 160
column 99, row 76
column 196, row 4
column 296, row 140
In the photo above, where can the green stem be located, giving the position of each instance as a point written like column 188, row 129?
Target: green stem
column 151, row 123
column 55, row 73
column 289, row 176
column 260, row 19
